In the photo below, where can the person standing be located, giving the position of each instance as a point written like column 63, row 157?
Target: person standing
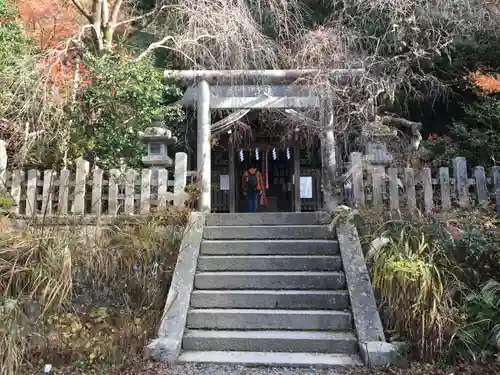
column 252, row 187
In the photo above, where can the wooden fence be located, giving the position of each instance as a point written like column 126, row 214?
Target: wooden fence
column 394, row 188
column 96, row 192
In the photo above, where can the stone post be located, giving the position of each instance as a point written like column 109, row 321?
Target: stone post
column 378, row 159
column 204, row 146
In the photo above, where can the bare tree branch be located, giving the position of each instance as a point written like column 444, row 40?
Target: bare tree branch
column 153, row 14
column 397, row 121
column 161, row 44
column 82, row 10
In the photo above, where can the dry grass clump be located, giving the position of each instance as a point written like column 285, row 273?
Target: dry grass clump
column 84, row 294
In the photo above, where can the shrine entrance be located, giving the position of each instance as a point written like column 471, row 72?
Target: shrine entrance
column 244, row 90
column 276, row 166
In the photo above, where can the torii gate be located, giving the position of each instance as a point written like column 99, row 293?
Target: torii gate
column 257, row 89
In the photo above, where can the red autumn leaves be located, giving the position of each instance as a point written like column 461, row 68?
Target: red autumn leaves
column 488, row 83
column 49, row 21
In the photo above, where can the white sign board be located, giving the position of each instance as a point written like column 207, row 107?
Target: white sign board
column 224, row 182
column 306, row 187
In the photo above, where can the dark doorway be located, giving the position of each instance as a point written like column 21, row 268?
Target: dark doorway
column 277, row 177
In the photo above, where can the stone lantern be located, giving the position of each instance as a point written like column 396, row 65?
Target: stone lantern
column 157, row 138
column 375, row 137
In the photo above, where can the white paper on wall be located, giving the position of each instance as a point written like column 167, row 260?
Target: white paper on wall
column 224, row 182
column 306, row 184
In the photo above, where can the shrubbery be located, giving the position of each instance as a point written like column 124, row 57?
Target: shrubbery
column 476, row 137
column 438, row 283
column 81, row 298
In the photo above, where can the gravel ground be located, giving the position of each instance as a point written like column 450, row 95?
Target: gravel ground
column 414, row 369
column 148, row 368
column 230, row 370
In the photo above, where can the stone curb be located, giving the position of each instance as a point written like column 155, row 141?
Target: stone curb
column 374, row 350
column 167, row 346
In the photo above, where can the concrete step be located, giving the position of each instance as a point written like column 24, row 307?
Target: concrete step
column 271, row 341
column 248, row 319
column 269, row 247
column 272, row 359
column 270, row 280
column 269, row 218
column 269, row 263
column 270, row 299
column 268, row 232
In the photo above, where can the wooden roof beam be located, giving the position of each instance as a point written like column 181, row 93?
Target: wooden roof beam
column 256, row 76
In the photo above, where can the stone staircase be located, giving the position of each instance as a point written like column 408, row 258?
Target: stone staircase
column 269, row 289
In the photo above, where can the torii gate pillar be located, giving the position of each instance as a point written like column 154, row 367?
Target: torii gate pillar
column 204, row 144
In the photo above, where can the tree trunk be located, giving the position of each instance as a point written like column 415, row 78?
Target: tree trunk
column 104, row 23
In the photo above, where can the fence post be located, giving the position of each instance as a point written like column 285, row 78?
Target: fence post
column 180, row 176
column 31, row 188
column 47, row 191
column 162, row 187
column 495, row 183
column 481, row 185
column 96, row 203
column 130, row 178
column 461, row 180
column 378, row 181
column 393, row 189
column 64, row 177
column 358, row 187
column 113, row 184
column 411, row 200
column 444, row 180
column 428, row 193
column 146, row 191
column 82, row 169
column 3, row 167
column 15, row 190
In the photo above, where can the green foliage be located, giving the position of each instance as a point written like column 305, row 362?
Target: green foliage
column 476, row 256
column 480, row 333
column 5, row 204
column 16, row 52
column 117, row 99
column 13, row 41
column 475, row 137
